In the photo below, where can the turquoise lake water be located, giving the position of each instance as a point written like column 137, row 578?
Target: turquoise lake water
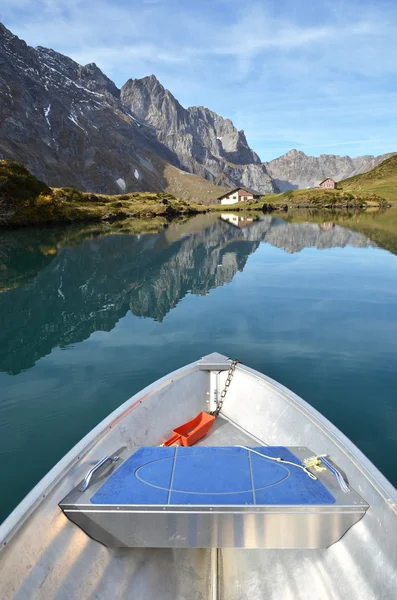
column 88, row 318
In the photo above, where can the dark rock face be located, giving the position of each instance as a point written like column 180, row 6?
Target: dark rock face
column 66, row 123
column 296, row 170
column 71, row 126
column 203, row 142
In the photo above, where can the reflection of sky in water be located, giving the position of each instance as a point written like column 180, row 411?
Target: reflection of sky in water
column 323, row 322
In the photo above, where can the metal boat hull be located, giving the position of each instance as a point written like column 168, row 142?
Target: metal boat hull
column 44, row 555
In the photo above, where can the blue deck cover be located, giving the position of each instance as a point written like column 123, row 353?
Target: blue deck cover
column 221, row 475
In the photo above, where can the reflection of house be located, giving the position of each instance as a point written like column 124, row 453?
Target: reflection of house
column 237, row 195
column 326, row 183
column 327, row 226
column 236, row 220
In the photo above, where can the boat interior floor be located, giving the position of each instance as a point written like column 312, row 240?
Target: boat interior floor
column 226, row 433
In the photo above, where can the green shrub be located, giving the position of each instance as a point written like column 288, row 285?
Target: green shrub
column 70, row 195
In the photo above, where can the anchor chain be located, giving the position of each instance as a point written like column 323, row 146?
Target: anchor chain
column 229, row 378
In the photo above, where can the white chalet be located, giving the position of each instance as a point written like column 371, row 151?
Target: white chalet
column 237, row 195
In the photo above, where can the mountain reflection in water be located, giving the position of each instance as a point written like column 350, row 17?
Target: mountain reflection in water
column 71, row 292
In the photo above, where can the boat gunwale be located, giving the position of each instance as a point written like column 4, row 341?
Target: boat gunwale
column 226, row 509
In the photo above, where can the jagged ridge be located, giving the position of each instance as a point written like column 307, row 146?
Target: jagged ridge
column 296, row 170
column 204, row 142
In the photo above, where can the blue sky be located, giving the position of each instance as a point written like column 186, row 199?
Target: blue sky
column 315, row 75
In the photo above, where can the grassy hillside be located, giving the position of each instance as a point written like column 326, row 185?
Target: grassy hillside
column 24, row 200
column 382, row 180
column 191, row 187
column 321, row 198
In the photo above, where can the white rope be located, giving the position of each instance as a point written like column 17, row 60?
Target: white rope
column 278, row 459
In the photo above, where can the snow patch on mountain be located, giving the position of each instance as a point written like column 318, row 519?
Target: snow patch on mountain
column 121, row 183
column 74, row 120
column 46, row 113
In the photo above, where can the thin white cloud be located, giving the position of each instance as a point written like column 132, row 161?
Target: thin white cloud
column 83, row 29
column 265, row 33
column 140, row 52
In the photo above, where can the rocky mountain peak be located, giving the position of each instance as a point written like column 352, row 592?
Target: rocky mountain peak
column 152, row 103
column 295, row 154
column 152, row 80
column 203, row 142
column 149, row 83
column 92, row 73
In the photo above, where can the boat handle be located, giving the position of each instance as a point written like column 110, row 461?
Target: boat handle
column 86, row 482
